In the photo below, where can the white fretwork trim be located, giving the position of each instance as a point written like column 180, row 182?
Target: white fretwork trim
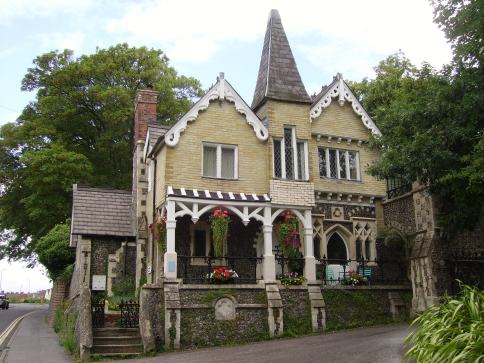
column 341, row 90
column 222, row 90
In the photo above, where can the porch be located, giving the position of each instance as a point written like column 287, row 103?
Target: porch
column 253, row 250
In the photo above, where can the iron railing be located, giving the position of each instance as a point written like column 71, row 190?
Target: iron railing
column 467, row 268
column 370, row 272
column 290, row 264
column 397, row 187
column 194, row 269
column 97, row 315
column 129, row 314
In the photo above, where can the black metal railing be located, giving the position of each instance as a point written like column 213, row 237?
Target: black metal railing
column 290, row 264
column 195, row 269
column 467, row 268
column 97, row 315
column 362, row 272
column 396, row 189
column 129, row 314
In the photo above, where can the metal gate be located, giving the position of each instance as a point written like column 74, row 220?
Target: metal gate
column 129, row 314
column 97, row 313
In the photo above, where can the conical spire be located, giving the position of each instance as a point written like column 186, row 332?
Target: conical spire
column 278, row 77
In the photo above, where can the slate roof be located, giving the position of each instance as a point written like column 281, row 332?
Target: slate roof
column 156, row 131
column 279, row 77
column 104, row 212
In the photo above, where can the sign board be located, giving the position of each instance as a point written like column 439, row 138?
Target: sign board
column 98, row 282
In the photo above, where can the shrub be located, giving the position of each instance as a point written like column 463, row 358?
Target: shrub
column 450, row 332
column 64, row 326
column 292, row 278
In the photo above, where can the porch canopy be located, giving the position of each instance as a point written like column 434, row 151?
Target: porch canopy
column 182, row 202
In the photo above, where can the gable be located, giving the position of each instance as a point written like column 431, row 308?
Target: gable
column 340, row 121
column 339, row 89
column 221, row 91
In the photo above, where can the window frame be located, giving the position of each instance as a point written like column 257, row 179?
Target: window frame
column 218, row 160
column 337, row 159
column 282, row 150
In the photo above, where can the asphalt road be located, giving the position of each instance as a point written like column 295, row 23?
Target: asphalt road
column 382, row 344
column 16, row 310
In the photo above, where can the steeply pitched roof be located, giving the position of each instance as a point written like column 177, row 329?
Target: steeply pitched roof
column 105, row 212
column 279, row 77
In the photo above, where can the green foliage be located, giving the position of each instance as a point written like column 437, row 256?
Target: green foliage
column 350, row 309
column 297, row 318
column 219, row 222
column 122, row 289
column 432, row 132
column 292, row 278
column 213, row 295
column 54, row 253
column 450, row 332
column 78, row 130
column 64, row 326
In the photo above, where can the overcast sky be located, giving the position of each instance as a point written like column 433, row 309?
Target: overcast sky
column 203, row 38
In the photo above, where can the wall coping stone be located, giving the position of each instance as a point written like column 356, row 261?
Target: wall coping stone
column 222, row 287
column 365, row 287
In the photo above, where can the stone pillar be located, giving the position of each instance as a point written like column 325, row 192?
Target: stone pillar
column 269, row 264
column 172, row 314
column 85, row 322
column 150, row 319
column 318, row 307
column 274, row 310
column 309, row 260
column 170, row 258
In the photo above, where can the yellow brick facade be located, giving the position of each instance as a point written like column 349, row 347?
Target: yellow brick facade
column 219, row 123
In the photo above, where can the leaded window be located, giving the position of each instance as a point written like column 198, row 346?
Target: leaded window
column 290, row 156
column 338, row 164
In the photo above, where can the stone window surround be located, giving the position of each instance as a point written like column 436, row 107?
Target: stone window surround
column 219, row 147
column 295, row 141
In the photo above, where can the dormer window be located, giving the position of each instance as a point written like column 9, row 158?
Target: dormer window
column 219, row 161
column 290, row 156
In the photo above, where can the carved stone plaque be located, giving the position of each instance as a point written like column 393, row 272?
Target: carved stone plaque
column 224, row 309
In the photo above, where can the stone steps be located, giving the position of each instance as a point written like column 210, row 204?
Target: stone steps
column 116, row 341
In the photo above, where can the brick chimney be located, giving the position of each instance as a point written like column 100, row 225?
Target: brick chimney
column 144, row 112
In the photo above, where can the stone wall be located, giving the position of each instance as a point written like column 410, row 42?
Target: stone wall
column 351, row 307
column 399, row 214
column 242, row 316
column 152, row 317
column 297, row 311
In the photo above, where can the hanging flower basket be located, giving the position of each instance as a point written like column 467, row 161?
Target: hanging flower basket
column 219, row 221
column 158, row 229
column 288, row 234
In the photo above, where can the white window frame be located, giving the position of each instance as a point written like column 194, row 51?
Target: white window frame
column 347, row 164
column 294, row 142
column 219, row 148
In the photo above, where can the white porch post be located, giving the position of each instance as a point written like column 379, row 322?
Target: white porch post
column 269, row 263
column 170, row 260
column 309, row 260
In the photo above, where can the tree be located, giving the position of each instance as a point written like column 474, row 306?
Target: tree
column 53, row 250
column 78, row 130
column 432, row 121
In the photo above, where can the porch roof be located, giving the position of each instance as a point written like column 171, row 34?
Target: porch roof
column 105, row 212
column 217, row 195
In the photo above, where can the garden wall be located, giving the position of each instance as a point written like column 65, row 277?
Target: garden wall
column 350, row 307
column 297, row 310
column 207, row 318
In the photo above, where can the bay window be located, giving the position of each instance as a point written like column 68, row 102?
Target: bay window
column 339, row 164
column 290, row 156
column 219, row 161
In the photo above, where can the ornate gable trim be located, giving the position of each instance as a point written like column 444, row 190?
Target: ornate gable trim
column 340, row 89
column 222, row 90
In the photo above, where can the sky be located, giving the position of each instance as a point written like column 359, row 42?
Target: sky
column 203, row 38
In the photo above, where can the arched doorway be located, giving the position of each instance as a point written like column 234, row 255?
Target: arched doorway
column 336, row 248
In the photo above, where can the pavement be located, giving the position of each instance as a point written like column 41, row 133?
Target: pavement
column 34, row 342
column 16, row 310
column 382, row 344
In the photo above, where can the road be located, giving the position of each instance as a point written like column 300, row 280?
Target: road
column 382, row 344
column 16, row 310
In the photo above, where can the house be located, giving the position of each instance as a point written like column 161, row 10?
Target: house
column 286, row 157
